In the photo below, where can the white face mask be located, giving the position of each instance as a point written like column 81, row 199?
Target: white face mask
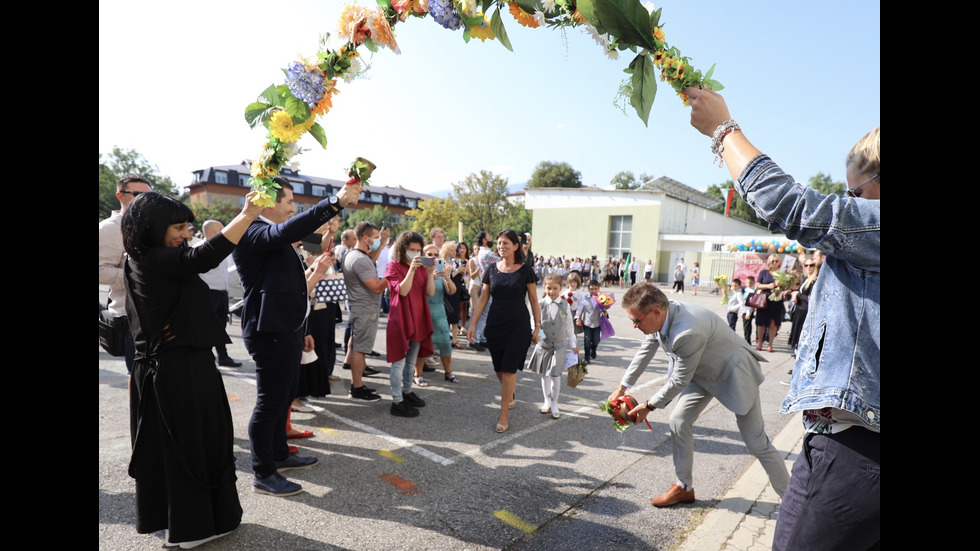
column 411, row 255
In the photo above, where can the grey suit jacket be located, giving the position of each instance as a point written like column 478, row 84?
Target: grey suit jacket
column 705, row 351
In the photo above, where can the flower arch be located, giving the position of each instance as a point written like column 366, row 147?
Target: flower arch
column 290, row 110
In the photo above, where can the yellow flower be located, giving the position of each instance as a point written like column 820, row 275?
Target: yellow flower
column 658, row 33
column 483, row 30
column 262, row 171
column 282, row 128
column 263, row 199
column 522, row 16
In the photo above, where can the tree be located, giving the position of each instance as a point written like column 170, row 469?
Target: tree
column 482, row 201
column 517, row 218
column 624, row 180
column 824, row 184
column 221, row 210
column 379, row 216
column 123, row 162
column 438, row 212
column 551, row 174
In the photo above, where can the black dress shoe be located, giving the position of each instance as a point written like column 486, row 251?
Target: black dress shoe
column 369, row 371
column 375, row 354
column 228, row 362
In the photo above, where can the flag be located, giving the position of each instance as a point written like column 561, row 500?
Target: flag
column 729, row 194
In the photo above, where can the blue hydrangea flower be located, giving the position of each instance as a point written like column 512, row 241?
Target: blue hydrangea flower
column 306, row 85
column 444, row 14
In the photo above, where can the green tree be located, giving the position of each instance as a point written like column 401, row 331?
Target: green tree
column 438, row 212
column 221, row 210
column 516, row 218
column 825, row 184
column 122, row 162
column 379, row 216
column 482, row 201
column 624, row 179
column 551, row 174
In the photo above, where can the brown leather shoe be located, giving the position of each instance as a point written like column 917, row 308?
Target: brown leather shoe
column 676, row 494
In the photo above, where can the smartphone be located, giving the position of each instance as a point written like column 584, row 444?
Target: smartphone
column 427, row 261
column 440, row 265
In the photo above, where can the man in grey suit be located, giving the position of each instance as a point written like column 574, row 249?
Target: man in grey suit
column 706, row 360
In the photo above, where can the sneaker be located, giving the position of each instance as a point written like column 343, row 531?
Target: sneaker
column 401, row 409
column 419, row 381
column 476, row 347
column 194, row 543
column 413, row 399
column 228, row 362
column 369, row 371
column 294, row 462
column 275, row 485
column 451, row 378
column 362, row 393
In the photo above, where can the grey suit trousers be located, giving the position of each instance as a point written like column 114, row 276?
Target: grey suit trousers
column 689, row 406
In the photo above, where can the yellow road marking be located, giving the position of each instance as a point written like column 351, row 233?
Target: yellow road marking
column 392, row 456
column 515, row 521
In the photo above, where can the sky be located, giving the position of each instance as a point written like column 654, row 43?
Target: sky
column 801, row 78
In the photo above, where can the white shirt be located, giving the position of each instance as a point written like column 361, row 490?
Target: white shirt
column 112, row 255
column 218, row 278
column 382, row 261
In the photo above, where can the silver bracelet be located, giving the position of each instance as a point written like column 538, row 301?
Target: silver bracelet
column 723, row 130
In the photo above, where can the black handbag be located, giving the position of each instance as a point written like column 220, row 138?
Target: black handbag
column 112, row 334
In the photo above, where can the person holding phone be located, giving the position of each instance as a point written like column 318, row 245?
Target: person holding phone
column 409, row 333
column 441, row 338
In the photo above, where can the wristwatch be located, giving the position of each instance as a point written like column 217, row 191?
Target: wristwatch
column 648, row 406
column 335, row 203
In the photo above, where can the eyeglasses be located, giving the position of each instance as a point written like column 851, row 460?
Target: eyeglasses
column 639, row 319
column 855, row 191
column 810, row 265
column 135, row 194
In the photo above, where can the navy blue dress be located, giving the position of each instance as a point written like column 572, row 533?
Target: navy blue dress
column 508, row 329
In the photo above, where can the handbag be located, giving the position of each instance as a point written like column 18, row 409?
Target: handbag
column 112, row 337
column 464, row 294
column 331, row 288
column 576, row 373
column 758, row 301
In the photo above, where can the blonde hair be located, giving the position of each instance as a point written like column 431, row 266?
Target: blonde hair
column 448, row 249
column 865, row 156
column 552, row 278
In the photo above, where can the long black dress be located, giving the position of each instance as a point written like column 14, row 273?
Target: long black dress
column 181, row 426
column 314, row 377
column 508, row 329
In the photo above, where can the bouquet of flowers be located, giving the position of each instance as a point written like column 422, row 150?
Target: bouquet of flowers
column 619, row 410
column 784, row 284
column 722, row 282
column 603, row 301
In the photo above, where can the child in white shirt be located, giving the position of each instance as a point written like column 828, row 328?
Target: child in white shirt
column 550, row 356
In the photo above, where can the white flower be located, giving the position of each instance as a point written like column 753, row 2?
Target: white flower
column 612, row 54
column 354, row 71
column 650, row 7
column 467, row 7
column 539, row 17
column 549, row 5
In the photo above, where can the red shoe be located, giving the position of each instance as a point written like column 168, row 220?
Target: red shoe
column 759, row 348
column 293, row 449
column 300, row 434
column 770, row 349
column 676, row 494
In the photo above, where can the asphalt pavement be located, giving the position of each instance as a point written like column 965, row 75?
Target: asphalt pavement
column 447, row 480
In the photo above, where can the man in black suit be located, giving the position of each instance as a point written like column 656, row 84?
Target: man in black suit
column 276, row 305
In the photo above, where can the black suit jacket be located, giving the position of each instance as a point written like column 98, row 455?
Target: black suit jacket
column 272, row 275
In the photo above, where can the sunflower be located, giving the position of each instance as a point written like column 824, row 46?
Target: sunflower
column 483, row 30
column 658, row 33
column 522, row 16
column 282, row 128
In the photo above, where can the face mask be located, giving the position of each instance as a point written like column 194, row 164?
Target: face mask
column 375, row 244
column 410, row 255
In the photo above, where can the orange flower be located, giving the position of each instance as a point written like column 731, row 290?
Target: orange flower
column 381, row 31
column 658, row 33
column 522, row 16
column 352, row 24
column 325, row 103
column 578, row 17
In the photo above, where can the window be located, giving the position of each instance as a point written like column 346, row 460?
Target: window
column 319, row 191
column 411, row 203
column 243, row 180
column 299, row 188
column 376, row 198
column 221, row 177
column 620, row 235
column 395, row 200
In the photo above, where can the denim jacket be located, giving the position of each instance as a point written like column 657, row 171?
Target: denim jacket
column 838, row 362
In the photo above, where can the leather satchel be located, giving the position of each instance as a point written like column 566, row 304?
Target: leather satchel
column 758, row 300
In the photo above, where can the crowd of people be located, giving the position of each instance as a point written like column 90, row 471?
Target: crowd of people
column 434, row 291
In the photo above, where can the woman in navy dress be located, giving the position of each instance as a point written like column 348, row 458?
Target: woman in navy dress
column 509, row 332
